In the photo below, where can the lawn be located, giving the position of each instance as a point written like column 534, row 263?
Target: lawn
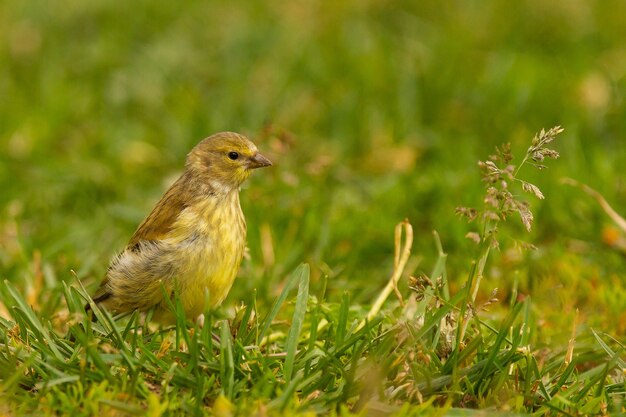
column 376, row 115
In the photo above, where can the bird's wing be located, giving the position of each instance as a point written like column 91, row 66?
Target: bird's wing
column 154, row 227
column 160, row 221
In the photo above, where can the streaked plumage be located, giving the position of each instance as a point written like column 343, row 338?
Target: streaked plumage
column 194, row 238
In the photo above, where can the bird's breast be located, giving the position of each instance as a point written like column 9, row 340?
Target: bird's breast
column 211, row 238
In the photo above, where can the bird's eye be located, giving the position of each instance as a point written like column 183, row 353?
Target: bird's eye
column 233, row 155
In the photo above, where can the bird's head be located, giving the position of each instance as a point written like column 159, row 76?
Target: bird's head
column 224, row 160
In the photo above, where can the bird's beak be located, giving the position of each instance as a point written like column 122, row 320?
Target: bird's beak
column 259, row 161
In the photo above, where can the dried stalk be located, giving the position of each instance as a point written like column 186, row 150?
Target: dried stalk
column 619, row 220
column 401, row 257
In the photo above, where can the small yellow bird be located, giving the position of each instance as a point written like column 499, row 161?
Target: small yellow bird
column 193, row 240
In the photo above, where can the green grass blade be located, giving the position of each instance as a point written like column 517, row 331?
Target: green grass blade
column 439, row 270
column 342, row 323
column 32, row 322
column 620, row 362
column 227, row 363
column 291, row 282
column 495, row 348
column 435, row 319
column 297, row 320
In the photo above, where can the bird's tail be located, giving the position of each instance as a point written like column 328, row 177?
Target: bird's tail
column 99, row 297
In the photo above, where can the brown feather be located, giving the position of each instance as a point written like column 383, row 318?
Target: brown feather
column 159, row 222
column 156, row 225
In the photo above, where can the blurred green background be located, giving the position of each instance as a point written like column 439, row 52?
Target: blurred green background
column 373, row 111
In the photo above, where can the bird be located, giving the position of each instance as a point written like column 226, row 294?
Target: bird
column 192, row 242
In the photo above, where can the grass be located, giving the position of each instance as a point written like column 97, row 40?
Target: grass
column 374, row 113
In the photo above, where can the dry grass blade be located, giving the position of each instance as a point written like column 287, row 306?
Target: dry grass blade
column 619, row 220
column 401, row 257
column 572, row 341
